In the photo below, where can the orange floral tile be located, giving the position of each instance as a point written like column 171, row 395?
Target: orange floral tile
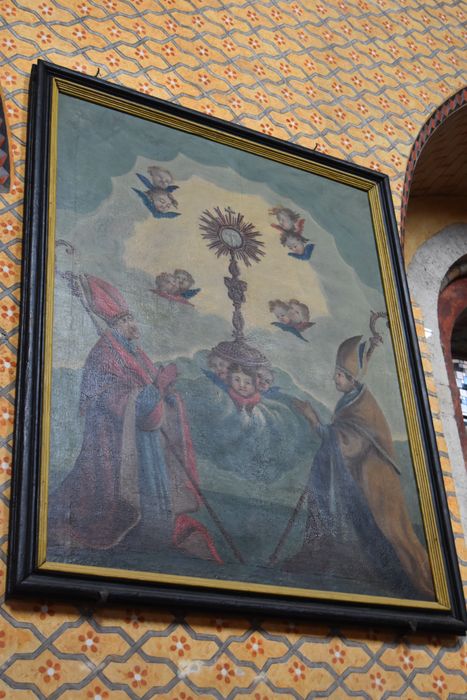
column 254, row 15
column 6, row 692
column 135, row 621
column 372, row 638
column 228, row 48
column 335, row 654
column 8, row 42
column 95, row 690
column 7, row 415
column 283, row 39
column 139, row 675
column 409, row 694
column 456, row 659
column 275, row 124
column 15, row 249
column 111, row 32
column 295, row 629
column 14, row 640
column 222, row 112
column 292, row 94
column 4, row 516
column 295, row 675
column 406, row 659
column 171, row 54
column 375, row 682
column 180, row 646
column 10, row 228
column 257, row 96
column 96, row 645
column 263, row 692
column 47, row 672
column 47, row 616
column 51, row 13
column 260, row 69
column 170, row 6
column 210, row 82
column 111, row 60
column 371, row 135
column 440, row 683
column 434, row 642
column 5, row 465
column 187, row 28
column 258, row 649
column 219, row 626
column 344, row 113
column 224, row 675
column 14, row 114
column 184, row 692
column 92, row 34
column 9, row 313
column 9, row 270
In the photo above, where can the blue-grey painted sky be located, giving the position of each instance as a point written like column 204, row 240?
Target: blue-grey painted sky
column 104, row 143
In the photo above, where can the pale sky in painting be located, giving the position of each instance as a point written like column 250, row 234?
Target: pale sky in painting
column 123, row 243
column 159, row 245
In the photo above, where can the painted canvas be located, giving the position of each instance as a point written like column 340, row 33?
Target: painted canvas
column 225, row 406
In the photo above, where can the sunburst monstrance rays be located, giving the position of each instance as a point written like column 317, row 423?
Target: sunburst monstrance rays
column 229, row 234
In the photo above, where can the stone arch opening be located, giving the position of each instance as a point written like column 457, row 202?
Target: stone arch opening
column 434, row 238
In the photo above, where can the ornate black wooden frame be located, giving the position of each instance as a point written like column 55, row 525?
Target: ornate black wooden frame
column 27, row 576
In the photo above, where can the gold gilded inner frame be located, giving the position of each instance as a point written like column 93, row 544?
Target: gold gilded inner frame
column 419, row 457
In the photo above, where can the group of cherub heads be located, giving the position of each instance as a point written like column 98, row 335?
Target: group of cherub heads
column 290, row 225
column 158, row 197
column 292, row 316
column 176, row 286
column 245, row 385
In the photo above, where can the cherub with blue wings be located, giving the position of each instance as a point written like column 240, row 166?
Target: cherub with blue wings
column 265, row 383
column 186, row 283
column 288, row 221
column 291, row 225
column 300, row 247
column 292, row 317
column 176, row 286
column 158, row 197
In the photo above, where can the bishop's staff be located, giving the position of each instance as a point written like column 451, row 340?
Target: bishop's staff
column 77, row 284
column 375, row 340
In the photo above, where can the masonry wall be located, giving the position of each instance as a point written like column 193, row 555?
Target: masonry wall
column 350, row 78
column 427, row 216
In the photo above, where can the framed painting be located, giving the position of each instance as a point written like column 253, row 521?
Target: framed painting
column 220, row 401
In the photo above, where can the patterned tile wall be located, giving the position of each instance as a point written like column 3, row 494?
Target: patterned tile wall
column 353, row 78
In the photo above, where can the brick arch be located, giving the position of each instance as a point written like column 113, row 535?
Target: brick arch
column 438, row 117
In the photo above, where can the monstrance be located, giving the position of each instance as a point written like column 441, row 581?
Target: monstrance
column 229, row 234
